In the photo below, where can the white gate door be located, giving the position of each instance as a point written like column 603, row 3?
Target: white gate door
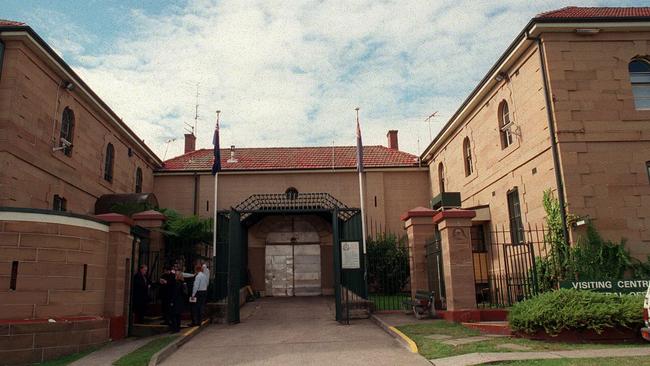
column 293, row 270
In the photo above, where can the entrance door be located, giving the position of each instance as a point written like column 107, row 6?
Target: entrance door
column 293, row 270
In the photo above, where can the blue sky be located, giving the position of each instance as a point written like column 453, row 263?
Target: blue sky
column 283, row 73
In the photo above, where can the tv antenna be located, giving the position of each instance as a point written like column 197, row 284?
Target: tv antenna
column 189, row 127
column 167, row 147
column 428, row 120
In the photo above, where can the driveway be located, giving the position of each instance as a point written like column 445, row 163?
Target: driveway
column 293, row 331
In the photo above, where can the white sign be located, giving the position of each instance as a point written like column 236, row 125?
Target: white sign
column 350, row 255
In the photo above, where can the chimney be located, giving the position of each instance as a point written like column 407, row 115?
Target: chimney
column 392, row 140
column 190, row 142
column 232, row 155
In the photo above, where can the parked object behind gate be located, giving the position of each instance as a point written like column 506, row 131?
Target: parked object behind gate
column 422, row 306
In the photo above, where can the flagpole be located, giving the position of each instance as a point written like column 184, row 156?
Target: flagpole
column 214, row 214
column 362, row 195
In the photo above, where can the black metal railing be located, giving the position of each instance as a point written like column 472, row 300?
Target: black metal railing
column 388, row 272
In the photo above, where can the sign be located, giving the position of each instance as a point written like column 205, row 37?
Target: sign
column 350, row 255
column 615, row 287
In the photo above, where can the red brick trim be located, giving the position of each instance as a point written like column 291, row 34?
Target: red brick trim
column 418, row 212
column 454, row 213
column 149, row 215
column 115, row 218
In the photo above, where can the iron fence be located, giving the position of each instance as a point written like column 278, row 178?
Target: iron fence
column 505, row 264
column 388, row 272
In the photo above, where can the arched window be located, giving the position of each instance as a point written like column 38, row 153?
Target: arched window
column 138, row 180
column 291, row 193
column 441, row 177
column 67, row 130
column 640, row 79
column 467, row 157
column 504, row 125
column 108, row 162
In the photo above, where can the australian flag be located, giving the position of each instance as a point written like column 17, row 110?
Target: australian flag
column 359, row 147
column 216, row 166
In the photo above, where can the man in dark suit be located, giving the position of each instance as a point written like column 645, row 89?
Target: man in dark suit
column 166, row 288
column 140, row 293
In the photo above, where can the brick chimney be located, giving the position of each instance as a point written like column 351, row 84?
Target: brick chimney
column 190, row 142
column 392, row 140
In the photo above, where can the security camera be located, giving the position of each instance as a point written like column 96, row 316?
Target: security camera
column 65, row 144
column 68, row 86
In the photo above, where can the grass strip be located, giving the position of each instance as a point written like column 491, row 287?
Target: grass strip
column 142, row 355
column 608, row 361
column 68, row 359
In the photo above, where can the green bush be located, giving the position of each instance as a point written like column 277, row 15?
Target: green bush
column 388, row 264
column 567, row 309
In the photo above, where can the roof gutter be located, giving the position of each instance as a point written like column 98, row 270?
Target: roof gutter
column 69, row 73
column 551, row 128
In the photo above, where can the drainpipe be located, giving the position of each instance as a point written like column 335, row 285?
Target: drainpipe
column 195, row 198
column 551, row 129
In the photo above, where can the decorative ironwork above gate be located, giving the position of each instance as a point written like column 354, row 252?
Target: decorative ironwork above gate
column 293, row 202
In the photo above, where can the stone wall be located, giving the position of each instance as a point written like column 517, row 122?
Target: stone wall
column 388, row 193
column 604, row 142
column 526, row 164
column 31, row 173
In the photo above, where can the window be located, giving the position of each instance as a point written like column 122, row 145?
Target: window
column 138, row 180
column 291, row 193
column 514, row 213
column 467, row 157
column 647, row 168
column 59, row 203
column 67, row 130
column 504, row 125
column 640, row 78
column 441, row 177
column 108, row 164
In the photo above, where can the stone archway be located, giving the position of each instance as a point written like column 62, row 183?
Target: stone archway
column 291, row 255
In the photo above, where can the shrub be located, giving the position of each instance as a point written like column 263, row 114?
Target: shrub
column 388, row 264
column 569, row 309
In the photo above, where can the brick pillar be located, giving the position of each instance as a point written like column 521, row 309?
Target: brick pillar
column 152, row 220
column 419, row 229
column 456, row 242
column 118, row 274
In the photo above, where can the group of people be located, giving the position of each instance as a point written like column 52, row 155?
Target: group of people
column 174, row 294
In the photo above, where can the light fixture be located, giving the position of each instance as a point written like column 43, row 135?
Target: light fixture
column 501, row 76
column 68, row 86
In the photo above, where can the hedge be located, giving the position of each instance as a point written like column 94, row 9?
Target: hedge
column 569, row 309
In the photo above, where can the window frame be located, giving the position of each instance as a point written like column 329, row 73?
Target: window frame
column 514, row 217
column 640, row 79
column 59, row 203
column 138, row 180
column 505, row 123
column 69, row 132
column 467, row 157
column 109, row 162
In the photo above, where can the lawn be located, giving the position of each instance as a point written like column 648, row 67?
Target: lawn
column 66, row 360
column 614, row 361
column 142, row 355
column 431, row 348
column 388, row 302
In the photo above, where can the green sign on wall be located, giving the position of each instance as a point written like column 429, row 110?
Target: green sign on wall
column 618, row 287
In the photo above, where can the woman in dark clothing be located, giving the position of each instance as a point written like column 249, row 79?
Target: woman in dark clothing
column 177, row 297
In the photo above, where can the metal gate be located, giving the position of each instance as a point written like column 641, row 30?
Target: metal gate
column 231, row 262
column 435, row 272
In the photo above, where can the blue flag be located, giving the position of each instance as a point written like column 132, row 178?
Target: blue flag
column 216, row 165
column 359, row 147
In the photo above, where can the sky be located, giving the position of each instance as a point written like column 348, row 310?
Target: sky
column 283, row 73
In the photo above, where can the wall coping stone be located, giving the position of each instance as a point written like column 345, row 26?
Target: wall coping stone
column 418, row 212
column 453, row 213
column 116, row 218
column 52, row 217
column 149, row 215
column 51, row 212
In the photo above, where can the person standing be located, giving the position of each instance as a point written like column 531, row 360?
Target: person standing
column 178, row 296
column 206, row 270
column 140, row 293
column 166, row 288
column 199, row 295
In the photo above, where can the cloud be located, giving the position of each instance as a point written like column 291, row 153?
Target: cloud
column 291, row 73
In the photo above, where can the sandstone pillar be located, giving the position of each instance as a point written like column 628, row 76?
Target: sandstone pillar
column 458, row 267
column 419, row 229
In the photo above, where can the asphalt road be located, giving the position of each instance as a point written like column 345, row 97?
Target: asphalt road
column 293, row 331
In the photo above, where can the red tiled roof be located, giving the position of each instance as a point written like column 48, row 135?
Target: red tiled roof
column 289, row 158
column 11, row 23
column 595, row 12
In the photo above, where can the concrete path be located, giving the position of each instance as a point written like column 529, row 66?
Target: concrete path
column 294, row 331
column 479, row 358
column 113, row 351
